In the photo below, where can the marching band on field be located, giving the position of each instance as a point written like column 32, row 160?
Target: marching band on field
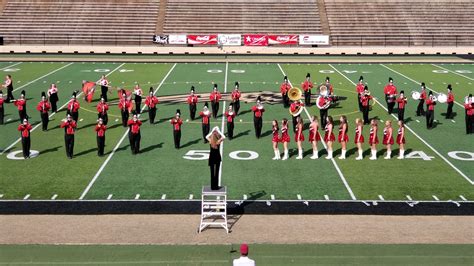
column 291, row 98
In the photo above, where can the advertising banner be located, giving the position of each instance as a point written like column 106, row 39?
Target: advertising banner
column 314, row 40
column 255, row 40
column 229, row 39
column 283, row 39
column 177, row 39
column 210, row 39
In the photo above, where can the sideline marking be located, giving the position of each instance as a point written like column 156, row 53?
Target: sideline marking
column 381, row 198
column 413, row 132
column 1, row 195
column 454, row 72
column 221, row 148
column 326, row 197
column 50, row 73
column 163, row 197
column 7, row 67
column 298, row 196
column 344, row 181
column 191, row 196
column 409, row 198
column 84, row 193
column 462, row 197
column 54, row 196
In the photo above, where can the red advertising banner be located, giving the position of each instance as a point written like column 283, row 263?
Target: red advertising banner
column 203, row 39
column 255, row 40
column 283, row 39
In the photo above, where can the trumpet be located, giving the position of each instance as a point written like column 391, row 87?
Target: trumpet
column 295, row 94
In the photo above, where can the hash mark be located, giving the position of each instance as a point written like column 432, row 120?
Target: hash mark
column 116, row 120
column 436, row 198
column 462, row 197
column 272, row 197
column 409, row 198
column 27, row 197
column 109, row 197
column 191, row 196
column 54, row 196
column 82, row 119
column 163, row 196
column 418, row 121
column 381, row 198
column 9, row 119
column 245, row 197
column 298, row 196
column 137, row 196
column 326, row 197
column 453, row 121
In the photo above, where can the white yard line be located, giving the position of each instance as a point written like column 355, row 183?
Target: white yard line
column 407, row 77
column 50, row 73
column 221, row 148
column 86, row 190
column 7, row 67
column 344, row 181
column 413, row 132
column 454, row 72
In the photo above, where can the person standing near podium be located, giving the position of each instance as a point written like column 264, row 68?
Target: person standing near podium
column 215, row 139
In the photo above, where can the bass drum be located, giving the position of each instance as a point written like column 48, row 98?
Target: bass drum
column 318, row 104
column 415, row 95
column 442, row 98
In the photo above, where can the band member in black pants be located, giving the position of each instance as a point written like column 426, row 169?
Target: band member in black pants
column 236, row 98
column 73, row 107
column 390, row 92
column 151, row 101
column 137, row 91
column 215, row 97
column 125, row 106
column 450, row 102
column 360, row 90
column 104, row 87
column 469, row 110
column 134, row 134
column 192, row 102
column 430, row 103
column 402, row 101
column 307, row 85
column 215, row 139
column 9, row 86
column 43, row 107
column 177, row 122
column 365, row 98
column 100, row 129
column 25, row 129
column 53, row 97
column 69, row 129
column 258, row 117
column 284, row 88
column 21, row 106
column 324, row 102
column 102, row 109
column 205, row 115
column 230, row 115
column 420, row 109
column 2, row 106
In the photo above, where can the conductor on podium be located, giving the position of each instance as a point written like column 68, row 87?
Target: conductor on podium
column 215, row 139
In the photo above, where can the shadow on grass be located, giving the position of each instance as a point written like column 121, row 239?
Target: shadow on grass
column 152, row 147
column 50, row 150
column 192, row 142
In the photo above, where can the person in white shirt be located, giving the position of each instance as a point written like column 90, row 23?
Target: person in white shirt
column 244, row 260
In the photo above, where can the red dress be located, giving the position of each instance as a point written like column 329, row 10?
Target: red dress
column 386, row 139
column 400, row 139
column 284, row 134
column 314, row 136
column 339, row 137
column 300, row 134
column 373, row 139
column 359, row 138
column 275, row 137
column 328, row 135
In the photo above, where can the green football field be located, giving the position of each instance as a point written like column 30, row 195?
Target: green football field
column 439, row 163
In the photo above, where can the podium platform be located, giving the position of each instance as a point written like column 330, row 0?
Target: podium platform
column 213, row 208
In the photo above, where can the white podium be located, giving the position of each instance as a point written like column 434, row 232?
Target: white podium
column 214, row 208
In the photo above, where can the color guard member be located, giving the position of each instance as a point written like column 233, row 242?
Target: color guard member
column 390, row 92
column 124, row 105
column 73, row 107
column 21, row 106
column 359, row 138
column 360, row 91
column 53, row 98
column 151, row 102
column 329, row 137
column 8, row 84
column 25, row 130
column 307, row 85
column 450, row 102
column 284, row 88
column 388, row 138
column 275, row 140
column 230, row 115
column 469, row 108
column 215, row 139
column 215, row 97
column 2, row 108
column 343, row 138
column 258, row 117
column 205, row 115
column 402, row 101
column 401, row 139
column 134, row 134
column 420, row 109
column 430, row 104
column 177, row 122
column 285, row 138
column 100, row 129
column 104, row 87
column 192, row 102
column 69, row 130
column 137, row 91
column 293, row 107
column 236, row 98
column 299, row 137
column 102, row 109
column 43, row 107
column 365, row 98
column 373, row 139
column 314, row 136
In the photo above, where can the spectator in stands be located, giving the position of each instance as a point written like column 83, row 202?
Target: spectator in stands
column 244, row 260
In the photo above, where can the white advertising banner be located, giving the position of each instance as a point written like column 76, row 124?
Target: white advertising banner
column 177, row 39
column 229, row 39
column 314, row 39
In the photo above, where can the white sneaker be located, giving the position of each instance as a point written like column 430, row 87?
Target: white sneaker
column 387, row 157
column 400, row 157
column 373, row 158
column 300, row 155
column 315, row 155
column 329, row 157
column 285, row 155
column 358, row 158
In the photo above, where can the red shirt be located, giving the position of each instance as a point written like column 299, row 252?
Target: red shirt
column 124, row 104
column 360, row 88
column 230, row 116
column 73, row 106
column 100, row 129
column 390, row 89
column 330, row 88
column 307, row 85
column 430, row 104
column 284, row 88
column 43, row 106
column 295, row 105
column 365, row 100
column 69, row 126
column 235, row 95
column 205, row 117
column 450, row 97
column 423, row 95
column 102, row 108
column 176, row 123
column 151, row 101
column 469, row 108
column 20, row 104
column 25, row 130
column 134, row 126
column 401, row 102
column 215, row 96
column 192, row 99
column 1, row 102
column 323, row 101
column 257, row 112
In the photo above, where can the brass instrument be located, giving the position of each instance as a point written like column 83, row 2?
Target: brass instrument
column 295, row 94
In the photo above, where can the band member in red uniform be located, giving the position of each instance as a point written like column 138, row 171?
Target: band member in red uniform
column 307, row 85
column 124, row 105
column 314, row 136
column 100, row 129
column 365, row 98
column 325, row 102
column 299, row 138
column 43, row 107
column 343, row 138
column 420, row 109
column 134, row 134
column 373, row 139
column 329, row 137
column 230, row 115
column 388, row 138
column 430, row 103
column 102, row 109
column 469, row 108
column 236, row 98
column 21, row 106
column 258, row 117
column 284, row 88
column 329, row 86
column 215, row 97
column 293, row 107
column 2, row 108
column 137, row 91
column 25, row 129
column 275, row 140
column 390, row 92
column 8, row 84
column 360, row 91
column 450, row 102
column 177, row 122
column 69, row 130
column 401, row 139
column 402, row 101
column 104, row 87
column 53, row 98
column 192, row 102
column 151, row 102
column 285, row 138
column 205, row 115
column 73, row 107
column 359, row 138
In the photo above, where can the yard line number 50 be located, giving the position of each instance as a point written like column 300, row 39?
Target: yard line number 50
column 236, row 155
